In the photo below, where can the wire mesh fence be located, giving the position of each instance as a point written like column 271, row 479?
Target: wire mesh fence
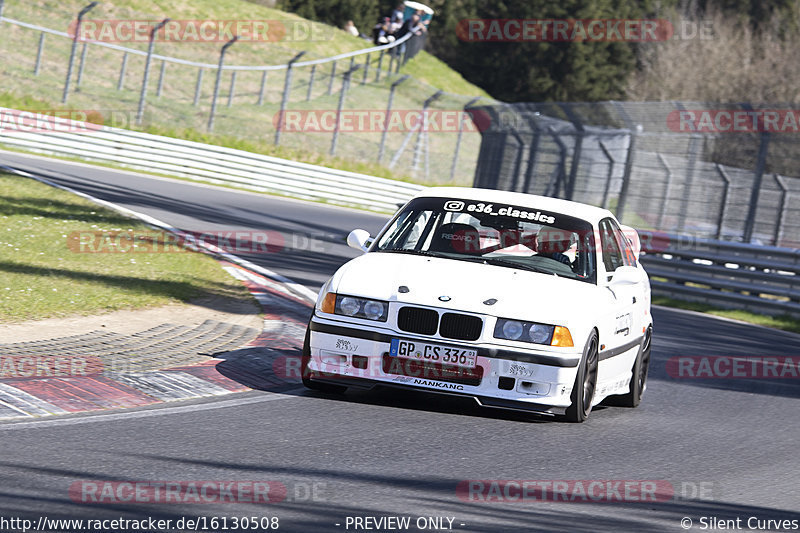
column 721, row 171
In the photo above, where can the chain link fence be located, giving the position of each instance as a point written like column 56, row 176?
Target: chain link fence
column 357, row 106
column 719, row 171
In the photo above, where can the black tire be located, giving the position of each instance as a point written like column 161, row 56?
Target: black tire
column 585, row 383
column 305, row 373
column 638, row 376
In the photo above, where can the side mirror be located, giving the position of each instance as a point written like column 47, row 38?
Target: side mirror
column 626, row 275
column 358, row 239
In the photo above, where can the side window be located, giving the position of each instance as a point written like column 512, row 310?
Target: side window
column 612, row 255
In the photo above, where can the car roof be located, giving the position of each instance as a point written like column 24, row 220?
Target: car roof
column 576, row 209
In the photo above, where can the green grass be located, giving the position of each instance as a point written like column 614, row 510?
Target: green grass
column 42, row 276
column 245, row 124
column 786, row 323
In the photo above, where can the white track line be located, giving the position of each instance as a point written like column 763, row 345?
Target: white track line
column 158, row 411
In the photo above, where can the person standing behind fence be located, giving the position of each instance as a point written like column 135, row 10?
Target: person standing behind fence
column 381, row 34
column 396, row 19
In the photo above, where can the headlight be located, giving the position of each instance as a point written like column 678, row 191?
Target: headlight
column 534, row 332
column 357, row 307
column 540, row 334
column 374, row 310
column 349, row 306
column 512, row 330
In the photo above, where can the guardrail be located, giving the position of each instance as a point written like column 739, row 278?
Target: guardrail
column 203, row 162
column 762, row 279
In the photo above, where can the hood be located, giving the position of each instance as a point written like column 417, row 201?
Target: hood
column 520, row 294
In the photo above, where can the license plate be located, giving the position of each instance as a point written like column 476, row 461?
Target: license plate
column 434, row 353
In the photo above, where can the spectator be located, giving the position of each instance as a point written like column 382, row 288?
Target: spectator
column 381, row 33
column 396, row 19
column 412, row 25
column 351, row 28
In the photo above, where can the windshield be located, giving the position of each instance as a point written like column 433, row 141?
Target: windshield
column 503, row 235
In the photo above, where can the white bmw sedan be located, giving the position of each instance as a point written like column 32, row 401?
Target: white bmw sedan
column 518, row 301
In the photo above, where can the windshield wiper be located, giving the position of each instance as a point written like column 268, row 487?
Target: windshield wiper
column 514, row 264
column 408, row 251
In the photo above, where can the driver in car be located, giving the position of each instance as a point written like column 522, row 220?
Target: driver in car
column 552, row 243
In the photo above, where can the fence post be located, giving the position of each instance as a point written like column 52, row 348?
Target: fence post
column 569, row 188
column 1, row 8
column 458, row 137
column 423, row 132
column 287, row 87
column 218, row 80
column 197, row 87
column 386, row 120
column 74, row 49
column 161, row 79
column 378, row 70
column 667, row 191
column 262, row 88
column 366, row 70
column 352, row 64
column 345, row 86
column 687, row 186
column 781, row 210
column 609, row 174
column 533, row 151
column 391, row 63
column 80, row 67
column 122, row 70
column 333, row 76
column 311, row 82
column 39, row 53
column 758, row 175
column 626, row 177
column 232, row 89
column 143, row 93
column 559, row 174
column 724, row 204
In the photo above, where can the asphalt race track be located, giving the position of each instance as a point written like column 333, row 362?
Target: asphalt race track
column 721, row 448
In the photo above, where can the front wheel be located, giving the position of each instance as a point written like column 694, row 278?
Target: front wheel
column 585, row 382
column 305, row 373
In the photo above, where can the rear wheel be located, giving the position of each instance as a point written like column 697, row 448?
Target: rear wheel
column 305, row 373
column 585, row 382
column 638, row 376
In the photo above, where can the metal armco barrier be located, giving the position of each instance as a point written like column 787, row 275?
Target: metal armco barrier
column 207, row 163
column 762, row 279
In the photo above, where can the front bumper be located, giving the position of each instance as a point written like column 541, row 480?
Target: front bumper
column 529, row 380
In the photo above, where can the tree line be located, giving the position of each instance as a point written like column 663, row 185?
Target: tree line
column 719, row 49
